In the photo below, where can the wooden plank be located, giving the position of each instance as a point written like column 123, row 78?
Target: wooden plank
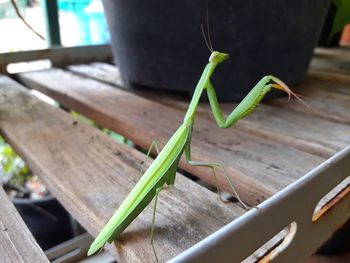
column 335, row 82
column 302, row 131
column 90, row 174
column 323, row 91
column 306, row 133
column 17, row 244
column 59, row 55
column 104, row 72
column 332, row 82
column 335, row 52
column 250, row 160
column 322, row 99
column 328, row 82
column 331, row 65
column 323, row 104
column 331, row 60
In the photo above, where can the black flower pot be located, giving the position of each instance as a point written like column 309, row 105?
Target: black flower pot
column 48, row 221
column 159, row 44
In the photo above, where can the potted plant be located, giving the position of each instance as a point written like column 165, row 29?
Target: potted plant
column 159, row 44
column 48, row 221
column 338, row 17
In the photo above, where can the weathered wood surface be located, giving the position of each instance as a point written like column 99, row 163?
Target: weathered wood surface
column 301, row 130
column 249, row 159
column 328, row 86
column 90, row 174
column 105, row 72
column 332, row 60
column 298, row 129
column 329, row 100
column 17, row 244
column 323, row 90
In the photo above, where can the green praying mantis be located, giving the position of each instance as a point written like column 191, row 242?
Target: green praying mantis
column 162, row 171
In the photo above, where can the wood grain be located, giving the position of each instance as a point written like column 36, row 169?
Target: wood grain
column 105, row 72
column 298, row 129
column 90, row 174
column 331, row 60
column 327, row 87
column 327, row 99
column 323, row 90
column 249, row 159
column 332, row 82
column 17, row 244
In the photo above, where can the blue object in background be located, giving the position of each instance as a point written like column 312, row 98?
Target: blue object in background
column 91, row 23
column 97, row 23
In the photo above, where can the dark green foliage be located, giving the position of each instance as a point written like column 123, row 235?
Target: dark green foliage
column 342, row 16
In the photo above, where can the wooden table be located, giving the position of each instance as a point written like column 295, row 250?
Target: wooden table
column 90, row 173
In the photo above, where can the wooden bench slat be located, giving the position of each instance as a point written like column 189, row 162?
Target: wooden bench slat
column 17, row 244
column 321, row 90
column 331, row 82
column 331, row 60
column 327, row 94
column 322, row 99
column 104, row 72
column 90, row 174
column 302, row 131
column 249, row 159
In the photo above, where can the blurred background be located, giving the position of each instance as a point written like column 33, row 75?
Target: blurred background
column 81, row 22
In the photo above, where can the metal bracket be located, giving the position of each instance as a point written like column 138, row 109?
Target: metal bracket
column 294, row 206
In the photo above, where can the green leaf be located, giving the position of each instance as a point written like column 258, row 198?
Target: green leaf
column 342, row 17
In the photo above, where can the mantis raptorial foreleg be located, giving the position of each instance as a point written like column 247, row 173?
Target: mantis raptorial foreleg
column 245, row 107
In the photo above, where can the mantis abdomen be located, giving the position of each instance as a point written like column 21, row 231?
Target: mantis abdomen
column 165, row 166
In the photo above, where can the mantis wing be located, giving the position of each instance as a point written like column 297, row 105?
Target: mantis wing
column 144, row 191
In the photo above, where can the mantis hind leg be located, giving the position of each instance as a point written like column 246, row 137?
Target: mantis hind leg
column 212, row 166
column 158, row 190
column 170, row 175
column 154, row 144
column 229, row 180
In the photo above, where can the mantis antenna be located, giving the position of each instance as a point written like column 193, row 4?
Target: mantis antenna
column 207, row 14
column 207, row 41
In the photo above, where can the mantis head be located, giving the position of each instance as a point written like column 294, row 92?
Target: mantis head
column 218, row 57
